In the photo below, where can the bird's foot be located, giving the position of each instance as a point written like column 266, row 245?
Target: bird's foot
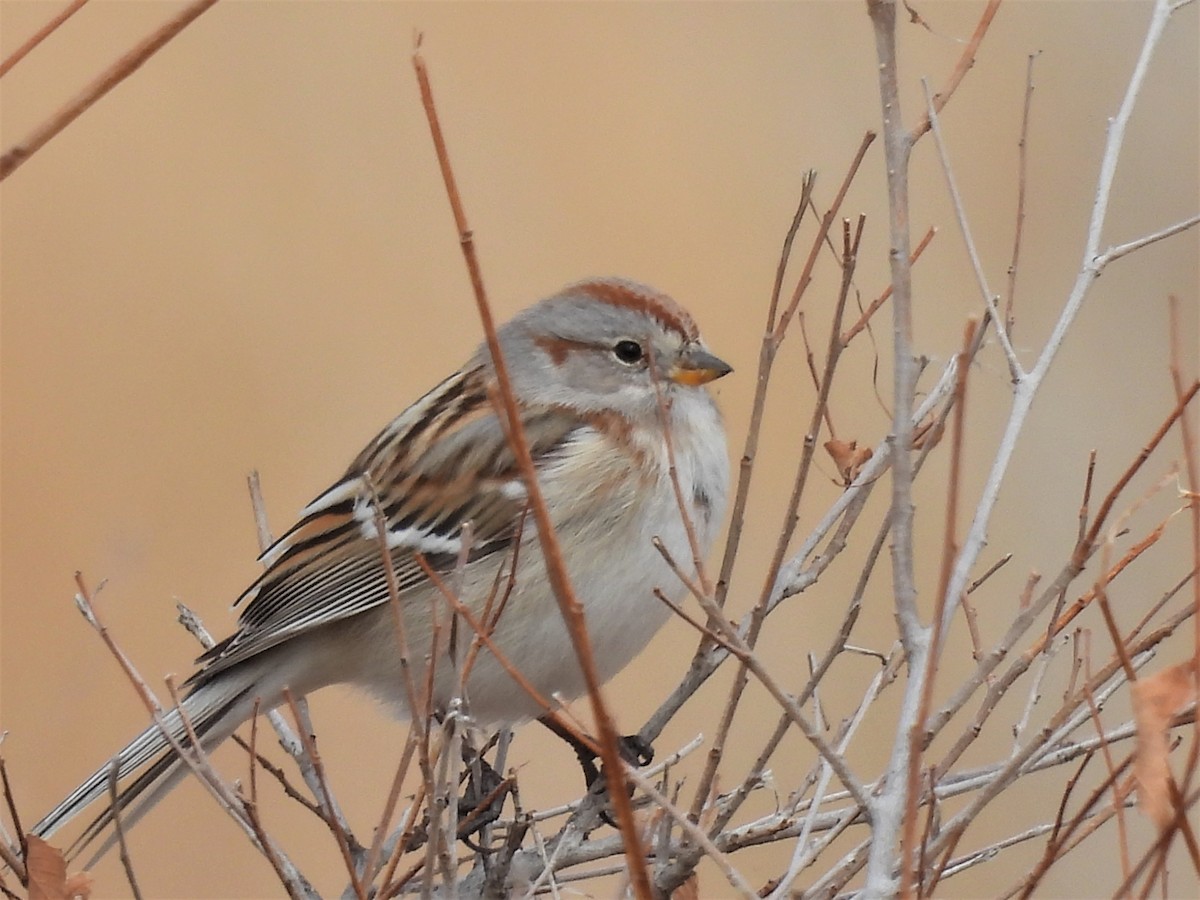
column 633, row 748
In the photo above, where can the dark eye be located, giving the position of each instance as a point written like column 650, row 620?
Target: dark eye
column 628, row 351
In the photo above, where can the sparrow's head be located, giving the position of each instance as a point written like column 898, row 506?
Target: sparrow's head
column 601, row 345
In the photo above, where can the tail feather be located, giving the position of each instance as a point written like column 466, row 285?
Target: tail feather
column 208, row 712
column 162, row 775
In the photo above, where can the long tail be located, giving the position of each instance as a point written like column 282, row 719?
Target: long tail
column 214, row 710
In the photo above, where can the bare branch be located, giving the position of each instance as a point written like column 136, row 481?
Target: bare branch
column 960, row 213
column 40, row 35
column 120, row 70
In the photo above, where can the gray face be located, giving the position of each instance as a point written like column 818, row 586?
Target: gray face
column 594, row 347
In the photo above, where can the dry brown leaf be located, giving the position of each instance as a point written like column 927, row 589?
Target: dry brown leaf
column 847, row 457
column 708, row 815
column 47, row 870
column 1156, row 699
column 926, row 432
column 689, row 890
column 646, row 818
column 79, row 886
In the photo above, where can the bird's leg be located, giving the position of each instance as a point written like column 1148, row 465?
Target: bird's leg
column 634, row 749
column 480, row 804
column 585, row 754
column 483, row 801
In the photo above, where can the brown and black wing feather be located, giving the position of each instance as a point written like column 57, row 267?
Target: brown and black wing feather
column 443, row 462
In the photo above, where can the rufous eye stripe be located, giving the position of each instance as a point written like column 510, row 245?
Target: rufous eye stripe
column 559, row 348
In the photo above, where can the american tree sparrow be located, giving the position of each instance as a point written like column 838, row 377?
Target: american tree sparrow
column 593, row 368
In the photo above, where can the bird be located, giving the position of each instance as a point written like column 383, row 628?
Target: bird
column 601, row 372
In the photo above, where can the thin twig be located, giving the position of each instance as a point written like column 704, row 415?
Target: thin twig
column 954, row 829
column 1191, row 455
column 1110, row 499
column 556, row 569
column 251, row 806
column 192, row 754
column 116, row 73
column 803, row 853
column 15, row 861
column 40, row 35
column 1055, row 845
column 1022, row 167
column 1092, row 266
column 694, row 834
column 1106, row 753
column 569, row 605
column 1114, row 253
column 911, row 867
column 966, row 62
column 766, row 360
column 791, row 515
column 964, row 225
column 259, row 505
column 742, row 650
column 780, row 327
column 374, row 855
column 114, row 771
column 889, row 806
column 864, row 321
column 332, row 817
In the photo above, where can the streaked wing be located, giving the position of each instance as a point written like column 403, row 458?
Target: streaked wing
column 444, row 461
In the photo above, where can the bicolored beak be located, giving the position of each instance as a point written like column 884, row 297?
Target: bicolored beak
column 697, row 366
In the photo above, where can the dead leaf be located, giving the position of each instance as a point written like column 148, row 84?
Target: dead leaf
column 927, row 431
column 1156, row 699
column 848, row 458
column 689, row 890
column 79, row 886
column 47, row 870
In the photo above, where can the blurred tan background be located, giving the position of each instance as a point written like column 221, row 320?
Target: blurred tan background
column 243, row 258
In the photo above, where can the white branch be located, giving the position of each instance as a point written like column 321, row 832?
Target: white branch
column 1093, row 265
column 960, row 213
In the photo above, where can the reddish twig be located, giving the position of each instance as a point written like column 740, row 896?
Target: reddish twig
column 492, row 611
column 780, row 327
column 389, row 808
column 116, row 73
column 484, row 636
column 114, row 770
column 1106, row 750
column 1191, row 462
column 569, row 605
column 689, row 527
column 332, row 820
column 13, row 861
column 392, row 888
column 1087, row 498
column 1155, row 851
column 766, row 359
column 1013, row 766
column 1022, row 165
column 965, row 63
column 251, row 807
column 791, row 517
column 1057, row 845
column 1185, row 397
column 864, row 321
column 911, row 863
column 415, row 706
column 40, row 35
column 811, row 362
